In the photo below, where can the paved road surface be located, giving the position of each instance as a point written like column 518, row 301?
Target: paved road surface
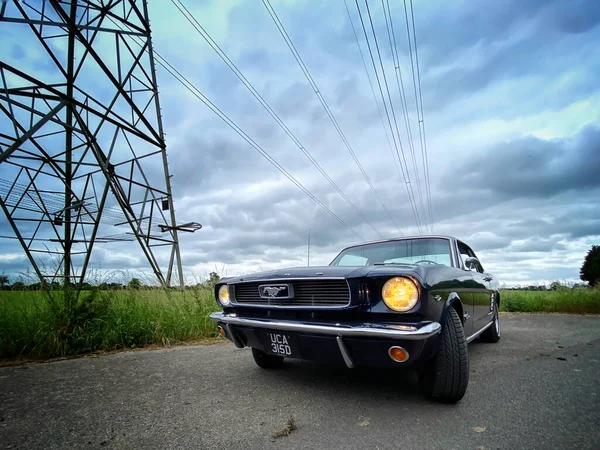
column 537, row 388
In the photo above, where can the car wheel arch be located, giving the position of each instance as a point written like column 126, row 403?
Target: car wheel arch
column 455, row 302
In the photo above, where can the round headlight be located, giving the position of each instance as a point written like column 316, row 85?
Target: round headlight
column 224, row 295
column 400, row 294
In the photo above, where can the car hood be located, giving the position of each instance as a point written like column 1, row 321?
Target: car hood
column 326, row 272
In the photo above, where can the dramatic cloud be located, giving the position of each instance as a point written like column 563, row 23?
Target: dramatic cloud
column 533, row 167
column 511, row 98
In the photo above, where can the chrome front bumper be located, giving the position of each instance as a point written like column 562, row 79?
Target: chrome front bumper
column 391, row 331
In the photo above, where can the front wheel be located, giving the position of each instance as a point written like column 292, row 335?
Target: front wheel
column 265, row 360
column 492, row 334
column 446, row 376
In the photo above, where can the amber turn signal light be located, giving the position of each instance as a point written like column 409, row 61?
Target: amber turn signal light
column 221, row 330
column 398, row 354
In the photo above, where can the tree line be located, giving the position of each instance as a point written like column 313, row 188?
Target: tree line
column 134, row 283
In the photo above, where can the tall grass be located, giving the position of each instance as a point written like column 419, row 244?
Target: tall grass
column 572, row 301
column 55, row 323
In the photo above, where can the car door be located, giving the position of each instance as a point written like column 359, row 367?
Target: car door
column 482, row 295
column 467, row 292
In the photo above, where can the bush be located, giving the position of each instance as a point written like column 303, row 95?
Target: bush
column 590, row 270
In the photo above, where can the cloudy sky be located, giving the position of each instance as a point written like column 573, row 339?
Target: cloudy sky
column 511, row 102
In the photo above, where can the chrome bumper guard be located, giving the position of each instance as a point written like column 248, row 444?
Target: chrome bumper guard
column 340, row 330
column 392, row 331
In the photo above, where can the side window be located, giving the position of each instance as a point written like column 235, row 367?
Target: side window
column 480, row 268
column 464, row 253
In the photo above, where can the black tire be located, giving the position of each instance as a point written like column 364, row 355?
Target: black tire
column 266, row 361
column 446, row 376
column 492, row 334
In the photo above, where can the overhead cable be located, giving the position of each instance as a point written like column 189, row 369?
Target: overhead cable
column 198, row 27
column 200, row 96
column 405, row 174
column 321, row 98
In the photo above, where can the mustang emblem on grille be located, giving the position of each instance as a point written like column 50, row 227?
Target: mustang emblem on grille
column 272, row 291
column 279, row 291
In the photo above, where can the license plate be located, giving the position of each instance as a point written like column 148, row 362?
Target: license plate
column 280, row 344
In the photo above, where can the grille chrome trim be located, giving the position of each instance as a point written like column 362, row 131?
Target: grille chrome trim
column 339, row 298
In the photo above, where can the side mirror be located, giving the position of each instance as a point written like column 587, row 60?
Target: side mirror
column 472, row 263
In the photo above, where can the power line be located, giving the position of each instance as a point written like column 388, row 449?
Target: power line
column 362, row 57
column 407, row 179
column 406, row 176
column 324, row 103
column 198, row 27
column 400, row 84
column 421, row 118
column 198, row 94
column 250, row 141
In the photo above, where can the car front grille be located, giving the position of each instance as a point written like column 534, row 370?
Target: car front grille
column 307, row 293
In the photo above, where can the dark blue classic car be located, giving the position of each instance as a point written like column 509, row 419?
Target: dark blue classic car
column 414, row 301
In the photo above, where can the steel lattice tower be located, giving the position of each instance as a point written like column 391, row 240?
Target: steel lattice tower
column 82, row 151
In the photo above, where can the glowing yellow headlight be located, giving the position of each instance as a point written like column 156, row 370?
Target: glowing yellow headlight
column 400, row 294
column 224, row 295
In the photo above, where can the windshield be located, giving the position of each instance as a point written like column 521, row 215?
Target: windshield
column 405, row 251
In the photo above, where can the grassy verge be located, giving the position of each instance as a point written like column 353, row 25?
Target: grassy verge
column 36, row 323
column 572, row 301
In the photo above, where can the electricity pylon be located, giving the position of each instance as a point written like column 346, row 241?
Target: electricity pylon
column 82, row 151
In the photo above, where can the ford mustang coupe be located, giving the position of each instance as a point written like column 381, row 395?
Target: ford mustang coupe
column 414, row 301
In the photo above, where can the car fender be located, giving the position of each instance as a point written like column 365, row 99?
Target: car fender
column 455, row 302
column 452, row 301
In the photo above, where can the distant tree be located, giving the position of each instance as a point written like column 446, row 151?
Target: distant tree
column 4, row 281
column 135, row 283
column 590, row 269
column 18, row 286
column 555, row 286
column 34, row 286
column 213, row 278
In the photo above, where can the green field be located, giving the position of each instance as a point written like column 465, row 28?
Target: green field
column 35, row 323
column 571, row 301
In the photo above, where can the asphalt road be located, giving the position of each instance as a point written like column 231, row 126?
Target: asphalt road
column 537, row 388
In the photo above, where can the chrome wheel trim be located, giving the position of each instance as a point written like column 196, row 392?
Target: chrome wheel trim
column 497, row 322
